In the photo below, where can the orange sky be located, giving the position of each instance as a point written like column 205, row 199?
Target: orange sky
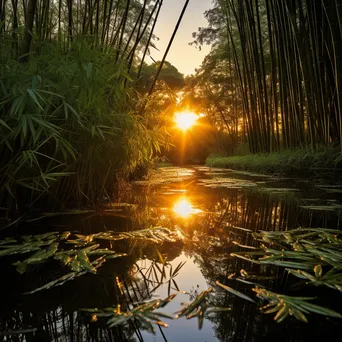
column 184, row 57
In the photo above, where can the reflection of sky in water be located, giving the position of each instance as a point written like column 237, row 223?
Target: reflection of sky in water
column 188, row 280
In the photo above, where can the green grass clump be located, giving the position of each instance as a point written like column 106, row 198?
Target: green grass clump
column 299, row 162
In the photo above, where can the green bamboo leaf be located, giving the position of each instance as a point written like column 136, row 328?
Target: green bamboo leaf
column 42, row 254
column 235, row 292
column 320, row 310
column 194, row 304
column 21, row 267
column 58, row 282
column 245, row 258
column 34, row 98
column 3, row 123
column 213, row 309
column 299, row 315
column 24, row 125
column 84, row 261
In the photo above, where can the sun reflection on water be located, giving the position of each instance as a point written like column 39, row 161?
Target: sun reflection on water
column 183, row 208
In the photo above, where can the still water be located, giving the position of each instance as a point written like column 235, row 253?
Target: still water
column 209, row 210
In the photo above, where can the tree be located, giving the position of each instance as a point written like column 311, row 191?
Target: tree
column 169, row 74
column 283, row 62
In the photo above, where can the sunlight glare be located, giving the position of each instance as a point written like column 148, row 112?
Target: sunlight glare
column 185, row 120
column 183, row 208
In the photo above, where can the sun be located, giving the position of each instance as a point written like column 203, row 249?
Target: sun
column 185, row 120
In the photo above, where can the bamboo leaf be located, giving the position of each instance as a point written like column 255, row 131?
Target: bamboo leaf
column 235, row 292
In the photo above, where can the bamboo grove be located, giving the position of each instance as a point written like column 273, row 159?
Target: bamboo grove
column 274, row 73
column 72, row 118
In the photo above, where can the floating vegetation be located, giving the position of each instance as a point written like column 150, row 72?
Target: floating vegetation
column 231, row 183
column 310, row 254
column 212, row 169
column 75, row 251
column 285, row 306
column 301, row 251
column 144, row 313
column 168, row 175
column 147, row 315
column 253, row 174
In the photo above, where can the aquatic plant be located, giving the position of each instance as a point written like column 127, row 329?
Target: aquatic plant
column 295, row 306
column 75, row 251
column 145, row 314
column 310, row 254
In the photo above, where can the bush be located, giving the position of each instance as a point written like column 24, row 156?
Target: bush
column 69, row 126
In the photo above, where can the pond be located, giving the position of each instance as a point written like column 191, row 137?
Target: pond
column 178, row 233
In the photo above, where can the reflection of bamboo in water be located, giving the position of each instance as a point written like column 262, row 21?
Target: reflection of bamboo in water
column 251, row 212
column 265, row 212
column 61, row 324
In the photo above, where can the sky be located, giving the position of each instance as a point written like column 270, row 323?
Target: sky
column 184, row 57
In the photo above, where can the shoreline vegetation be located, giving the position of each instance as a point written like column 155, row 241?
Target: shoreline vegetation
column 78, row 109
column 272, row 82
column 325, row 162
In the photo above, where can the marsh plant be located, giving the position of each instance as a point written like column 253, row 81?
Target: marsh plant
column 312, row 255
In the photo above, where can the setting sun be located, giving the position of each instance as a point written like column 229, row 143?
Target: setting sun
column 185, row 120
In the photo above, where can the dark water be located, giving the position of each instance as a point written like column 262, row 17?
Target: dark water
column 204, row 204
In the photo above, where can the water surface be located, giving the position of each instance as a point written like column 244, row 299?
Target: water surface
column 206, row 207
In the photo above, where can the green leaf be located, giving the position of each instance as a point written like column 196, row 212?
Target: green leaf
column 34, row 97
column 3, row 123
column 235, row 292
column 84, row 261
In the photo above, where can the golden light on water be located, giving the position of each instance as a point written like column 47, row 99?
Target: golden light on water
column 184, row 209
column 185, row 120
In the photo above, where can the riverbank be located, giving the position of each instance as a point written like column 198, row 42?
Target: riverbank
column 324, row 162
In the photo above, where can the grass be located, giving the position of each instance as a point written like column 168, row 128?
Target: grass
column 324, row 161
